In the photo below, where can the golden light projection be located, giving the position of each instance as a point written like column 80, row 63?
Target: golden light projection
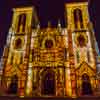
column 29, row 81
column 81, row 39
column 50, row 62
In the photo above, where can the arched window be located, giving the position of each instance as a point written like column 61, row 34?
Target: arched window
column 18, row 43
column 81, row 40
column 21, row 23
column 78, row 20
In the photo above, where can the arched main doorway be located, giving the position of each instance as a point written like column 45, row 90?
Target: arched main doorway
column 86, row 85
column 13, row 87
column 48, row 83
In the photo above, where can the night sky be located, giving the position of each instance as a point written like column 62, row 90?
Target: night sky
column 47, row 10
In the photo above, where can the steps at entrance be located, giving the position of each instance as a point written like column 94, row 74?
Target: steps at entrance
column 49, row 98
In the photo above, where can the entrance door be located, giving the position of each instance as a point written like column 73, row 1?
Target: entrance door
column 86, row 85
column 48, row 83
column 13, row 86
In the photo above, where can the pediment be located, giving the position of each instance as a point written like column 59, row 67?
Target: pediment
column 85, row 68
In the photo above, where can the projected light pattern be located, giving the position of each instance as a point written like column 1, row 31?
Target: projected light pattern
column 51, row 61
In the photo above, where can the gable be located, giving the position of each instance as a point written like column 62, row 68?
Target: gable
column 85, row 68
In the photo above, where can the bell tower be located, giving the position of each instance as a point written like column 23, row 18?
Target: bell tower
column 82, row 44
column 77, row 15
column 22, row 19
column 57, row 62
column 16, row 51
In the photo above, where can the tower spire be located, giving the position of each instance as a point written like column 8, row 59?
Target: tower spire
column 59, row 25
column 38, row 26
column 49, row 25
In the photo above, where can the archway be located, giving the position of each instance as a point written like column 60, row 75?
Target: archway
column 48, row 83
column 86, row 85
column 13, row 87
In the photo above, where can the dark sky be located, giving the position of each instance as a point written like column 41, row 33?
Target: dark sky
column 48, row 10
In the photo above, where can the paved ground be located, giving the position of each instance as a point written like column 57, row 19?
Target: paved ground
column 49, row 98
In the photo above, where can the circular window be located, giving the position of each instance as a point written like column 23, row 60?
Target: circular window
column 18, row 43
column 48, row 43
column 81, row 40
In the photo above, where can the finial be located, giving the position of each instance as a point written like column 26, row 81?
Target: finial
column 59, row 24
column 38, row 26
column 90, row 26
column 49, row 24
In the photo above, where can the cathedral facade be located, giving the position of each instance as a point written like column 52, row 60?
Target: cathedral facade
column 50, row 61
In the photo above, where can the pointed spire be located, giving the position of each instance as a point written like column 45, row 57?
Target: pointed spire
column 49, row 24
column 38, row 26
column 59, row 26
